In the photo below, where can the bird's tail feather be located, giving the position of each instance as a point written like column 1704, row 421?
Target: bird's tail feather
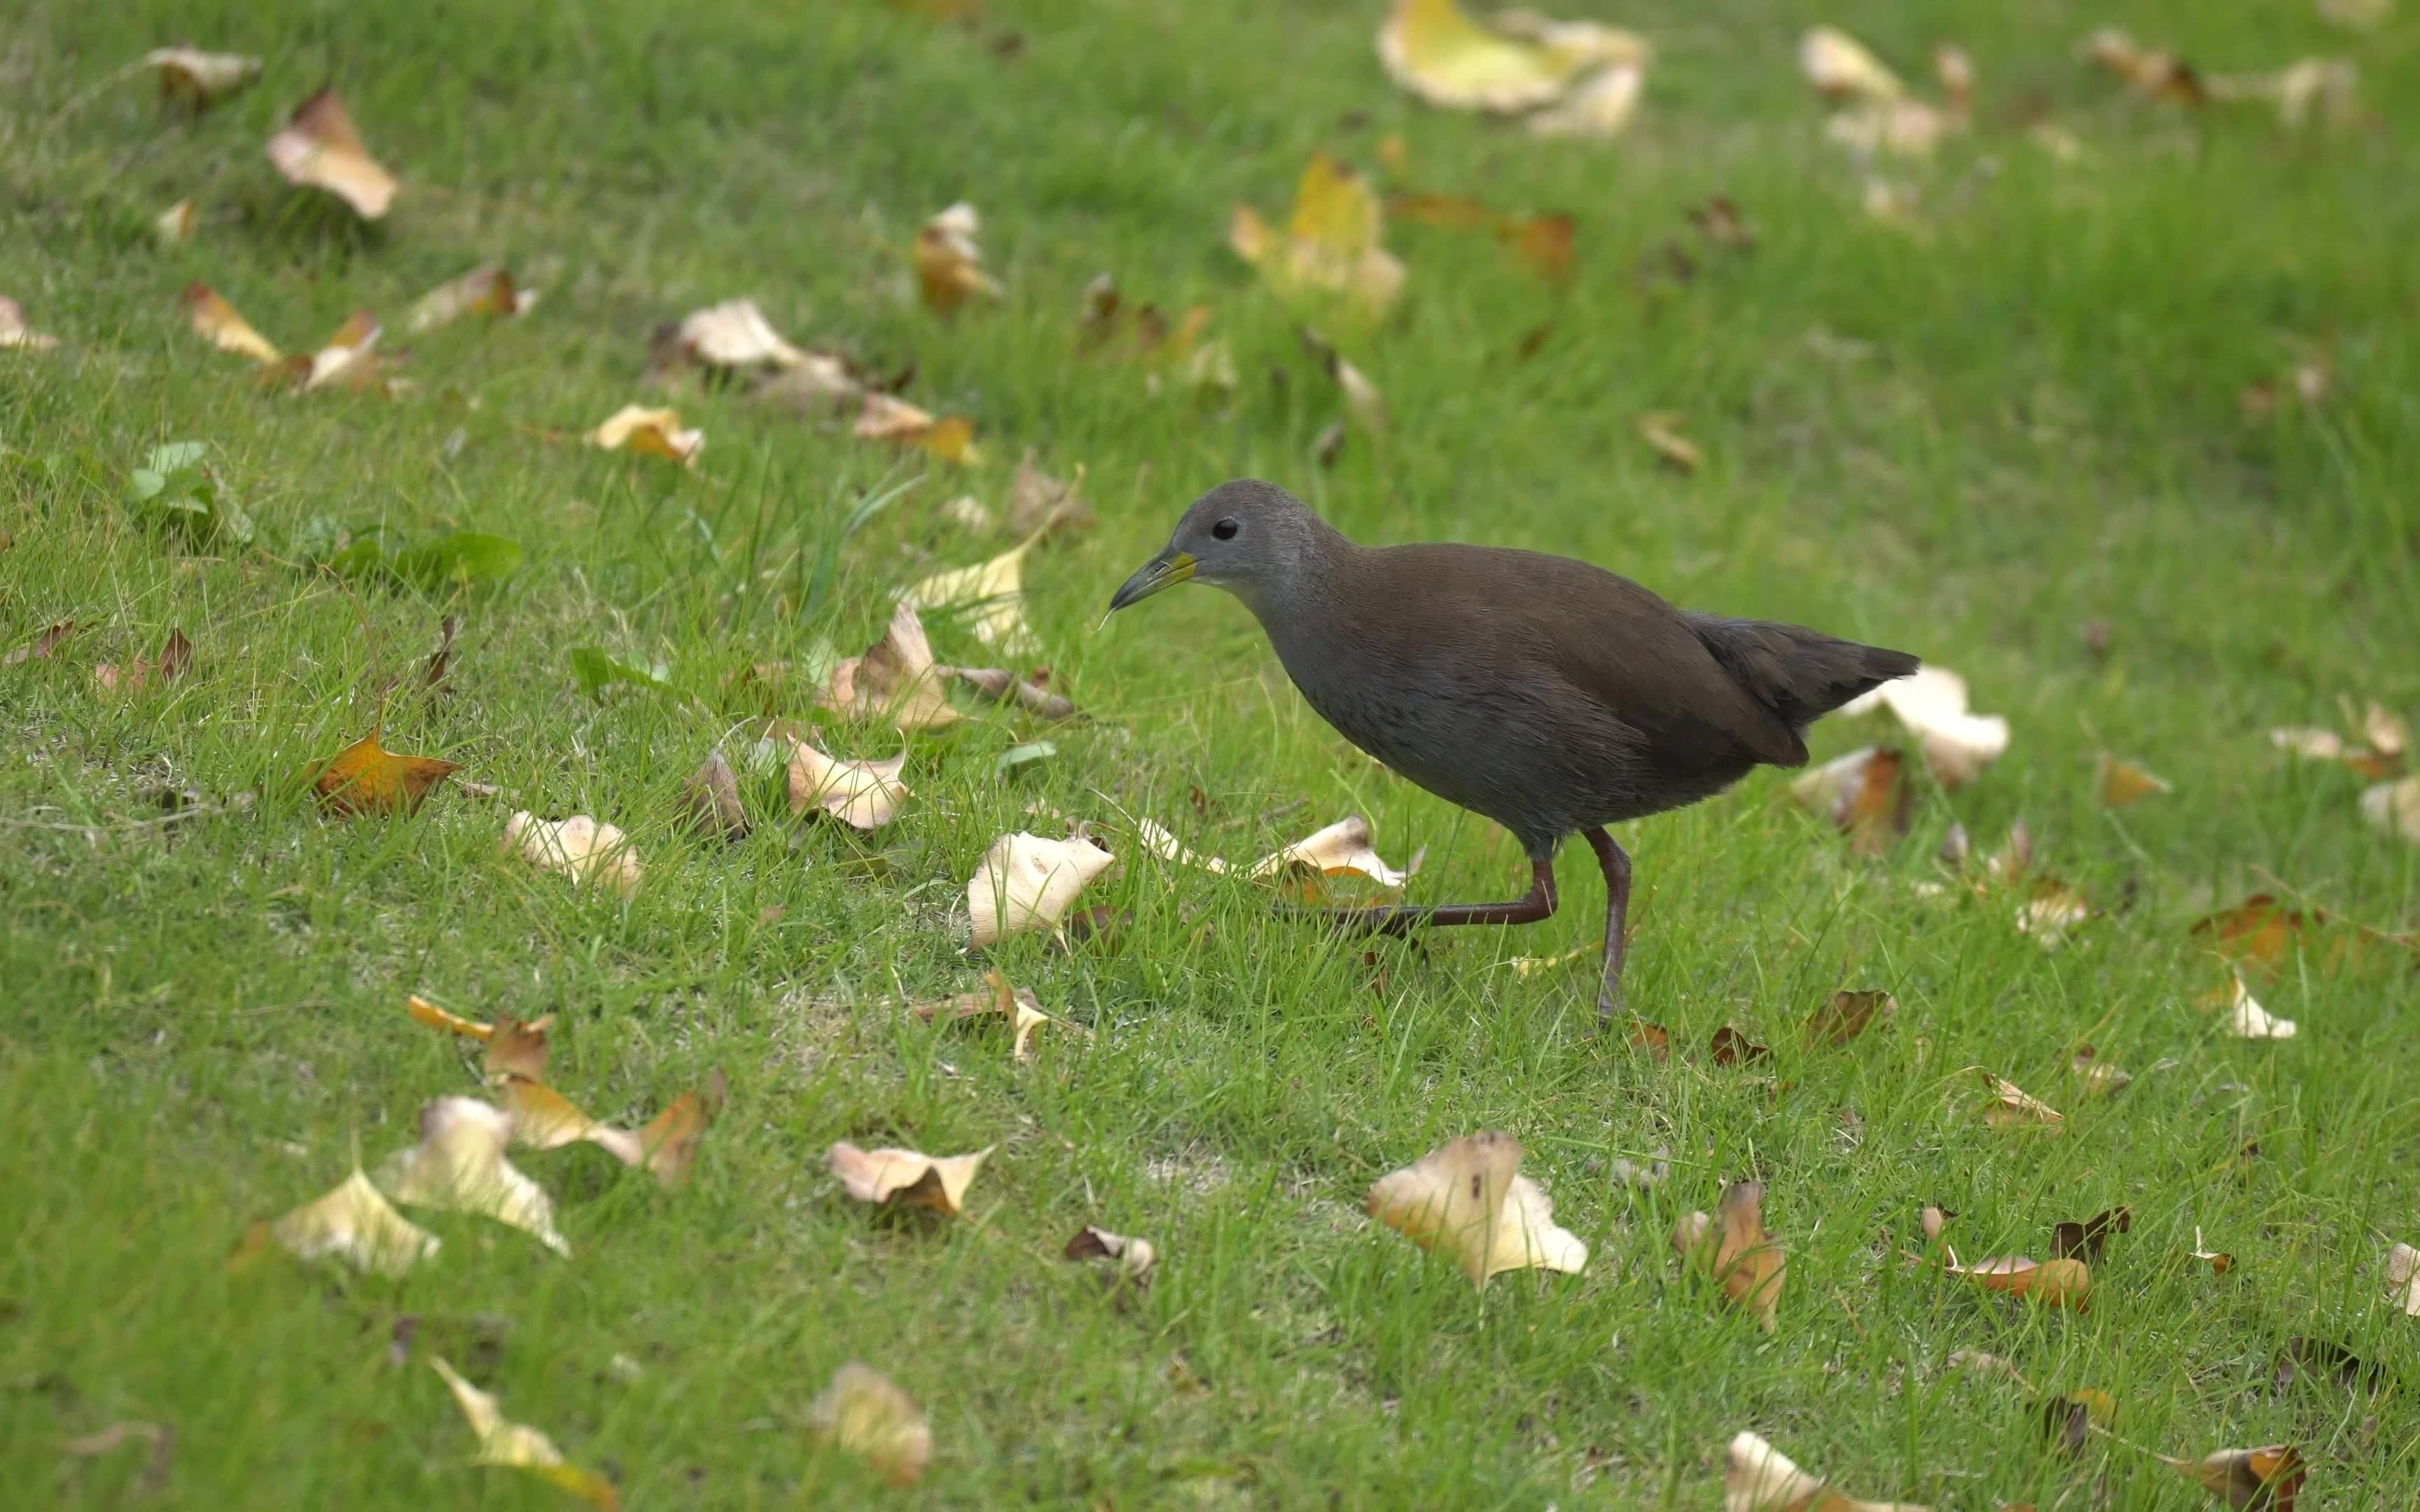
column 1800, row 675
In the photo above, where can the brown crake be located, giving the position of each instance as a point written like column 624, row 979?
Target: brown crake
column 1540, row 692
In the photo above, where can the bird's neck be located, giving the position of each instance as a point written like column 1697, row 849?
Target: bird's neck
column 1304, row 608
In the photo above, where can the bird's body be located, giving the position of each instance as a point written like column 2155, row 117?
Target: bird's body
column 1545, row 693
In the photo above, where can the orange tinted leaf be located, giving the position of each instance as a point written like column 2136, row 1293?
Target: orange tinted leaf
column 1732, row 1048
column 1848, row 1015
column 366, row 777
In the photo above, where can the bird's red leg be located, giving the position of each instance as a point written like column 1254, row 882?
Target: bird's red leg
column 1615, row 864
column 1540, row 903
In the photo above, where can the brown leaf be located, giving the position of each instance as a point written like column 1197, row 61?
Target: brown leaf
column 2012, row 1106
column 515, row 1047
column 1933, row 1220
column 1733, row 1248
column 2220, row 1263
column 2266, row 1478
column 223, row 326
column 2088, row 1237
column 367, row 778
column 1003, row 687
column 895, row 682
column 1849, row 1013
column 162, row 1442
column 2122, row 783
column 1652, row 1037
column 1719, row 220
column 440, row 661
column 2153, row 74
column 2326, row 1358
column 1134, row 1256
column 2061, row 1283
column 40, row 647
column 710, row 803
column 319, row 148
column 1732, row 1048
column 646, row 432
column 1865, row 794
column 1016, row 1007
column 949, row 265
column 176, row 654
column 864, row 1413
column 905, row 1178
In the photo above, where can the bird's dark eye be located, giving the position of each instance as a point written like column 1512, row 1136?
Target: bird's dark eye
column 1225, row 529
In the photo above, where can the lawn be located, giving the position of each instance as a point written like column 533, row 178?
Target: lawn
column 2007, row 430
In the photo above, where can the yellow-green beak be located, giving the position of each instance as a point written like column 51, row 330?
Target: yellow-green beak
column 1163, row 571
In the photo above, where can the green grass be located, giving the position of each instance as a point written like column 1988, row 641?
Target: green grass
column 2036, row 428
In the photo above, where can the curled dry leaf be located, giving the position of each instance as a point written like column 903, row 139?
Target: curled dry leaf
column 710, row 803
column 2151, row 73
column 356, row 1224
column 1847, row 1013
column 1842, row 71
column 2052, row 908
column 649, row 433
column 2395, row 808
column 365, row 777
column 518, row 1447
column 1018, row 1007
column 2097, row 1077
column 175, row 655
column 2089, row 1238
column 1026, row 882
column 2247, row 1020
column 2010, row 1107
column 15, row 336
column 1467, row 1199
column 2219, row 1262
column 2385, row 734
column 1661, row 430
column 1330, row 246
column 1435, row 50
column 2122, row 783
column 1931, row 702
column 175, row 225
column 2063, row 1282
column 459, row 1165
column 735, row 337
column 994, row 590
column 1733, row 1247
column 319, row 148
column 1039, row 503
column 582, row 848
column 1599, row 106
column 202, row 78
column 1134, row 1256
column 348, row 359
column 862, row 794
column 1759, row 1478
column 1363, row 400
column 905, row 1178
column 1983, row 1363
column 1652, row 1037
column 1865, row 794
column 487, row 289
column 949, row 265
column 1732, row 1048
column 1344, row 848
column 1933, row 1220
column 223, row 326
column 666, row 1145
column 886, row 418
column 2307, row 89
column 515, row 1047
column 895, row 682
column 864, row 1413
column 2266, row 1478
column 40, row 647
column 1002, row 686
column 2403, row 1279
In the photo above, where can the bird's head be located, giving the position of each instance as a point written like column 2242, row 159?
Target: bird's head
column 1249, row 537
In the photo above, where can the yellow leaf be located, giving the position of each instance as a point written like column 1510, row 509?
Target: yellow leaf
column 864, row 1413
column 1025, row 882
column 1020, row 1007
column 487, row 289
column 1661, row 430
column 1734, row 1249
column 885, row 418
column 544, row 1118
column 355, row 1222
column 1331, row 246
column 949, row 265
column 365, row 777
column 2268, row 1478
column 320, row 149
column 580, row 847
column 203, row 78
column 2012, row 1106
column 649, row 432
column 1435, row 50
column 2122, row 783
column 518, row 1447
column 1468, row 1200
column 994, row 589
column 1838, row 66
column 1600, row 106
column 905, row 1178
column 2395, row 808
column 459, row 1165
column 176, row 224
column 223, row 326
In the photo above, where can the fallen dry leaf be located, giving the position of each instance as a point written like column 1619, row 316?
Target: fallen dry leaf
column 1661, row 430
column 40, row 647
column 1025, row 882
column 886, row 418
column 666, row 1145
column 1434, row 49
column 487, row 289
column 2153, row 74
column 365, row 777
column 896, row 681
column 1732, row 1048
column 219, row 322
column 864, row 1413
column 736, row 337
column 175, row 655
column 348, row 357
column 1467, row 1199
column 1018, row 1007
column 2220, row 1263
column 994, row 590
column 1933, row 1220
column 177, row 224
column 2247, row 1020
column 2122, row 783
column 15, row 336
column 1847, row 1014
column 2307, row 89
column 1842, row 71
column 1652, row 1037
column 2062, row 1283
column 710, row 803
column 202, row 78
column 2089, row 1238
column 1344, row 848
column 1931, row 702
column 862, row 794
column 2012, row 1106
column 1363, row 400
column 2097, row 1077
column 1038, row 503
column 2052, row 908
column 515, row 1047
column 1732, row 1246
column 1599, row 106
column 355, row 1222
column 2403, row 1279
column 2395, row 808
column 319, row 148
column 949, row 265
column 459, row 1165
column 1134, row 1256
column 1003, row 687
column 905, row 1178
column 1761, row 1478
column 2268, row 1478
column 649, row 433
column 518, row 1447
column 1864, row 794
column 580, row 847
column 1330, row 246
